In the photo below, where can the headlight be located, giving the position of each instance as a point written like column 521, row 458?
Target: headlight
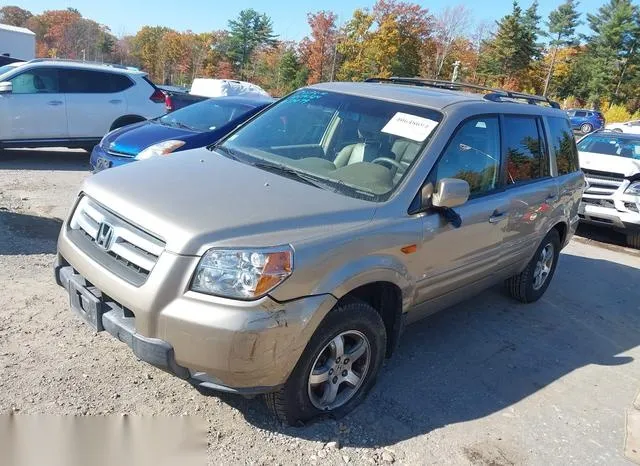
column 162, row 148
column 103, row 138
column 242, row 273
column 633, row 188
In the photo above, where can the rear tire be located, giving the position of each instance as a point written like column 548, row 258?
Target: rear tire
column 119, row 123
column 334, row 388
column 530, row 284
column 633, row 240
column 586, row 128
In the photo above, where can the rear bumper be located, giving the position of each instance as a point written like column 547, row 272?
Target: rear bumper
column 101, row 160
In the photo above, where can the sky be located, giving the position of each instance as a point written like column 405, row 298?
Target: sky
column 289, row 17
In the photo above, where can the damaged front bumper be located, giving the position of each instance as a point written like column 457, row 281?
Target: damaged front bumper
column 246, row 348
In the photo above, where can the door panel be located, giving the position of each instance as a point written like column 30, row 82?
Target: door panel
column 95, row 99
column 529, row 209
column 35, row 109
column 532, row 192
column 454, row 258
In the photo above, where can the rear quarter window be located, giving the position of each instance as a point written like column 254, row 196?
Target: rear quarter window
column 564, row 145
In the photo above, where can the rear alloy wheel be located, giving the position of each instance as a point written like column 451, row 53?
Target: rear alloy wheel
column 530, row 284
column 337, row 368
column 586, row 128
column 633, row 240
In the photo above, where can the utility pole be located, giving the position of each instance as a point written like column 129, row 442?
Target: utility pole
column 456, row 69
column 84, row 55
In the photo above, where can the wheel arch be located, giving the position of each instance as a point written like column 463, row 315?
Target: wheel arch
column 126, row 120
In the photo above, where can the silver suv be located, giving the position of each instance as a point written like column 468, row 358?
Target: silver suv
column 287, row 259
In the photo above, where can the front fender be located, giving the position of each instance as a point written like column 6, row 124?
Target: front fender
column 365, row 270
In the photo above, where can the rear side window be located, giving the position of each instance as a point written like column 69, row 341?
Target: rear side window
column 525, row 150
column 581, row 114
column 564, row 145
column 472, row 155
column 93, row 82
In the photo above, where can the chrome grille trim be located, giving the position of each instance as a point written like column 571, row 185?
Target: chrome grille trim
column 136, row 249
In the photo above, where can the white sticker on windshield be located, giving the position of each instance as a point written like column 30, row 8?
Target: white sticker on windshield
column 410, row 126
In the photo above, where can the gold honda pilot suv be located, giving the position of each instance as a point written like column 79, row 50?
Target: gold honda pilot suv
column 287, row 259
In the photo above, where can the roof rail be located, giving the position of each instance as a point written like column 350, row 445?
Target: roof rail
column 85, row 62
column 494, row 95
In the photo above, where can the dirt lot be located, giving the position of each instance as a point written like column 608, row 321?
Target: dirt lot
column 489, row 382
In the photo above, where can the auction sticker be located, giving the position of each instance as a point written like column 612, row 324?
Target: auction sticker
column 410, row 126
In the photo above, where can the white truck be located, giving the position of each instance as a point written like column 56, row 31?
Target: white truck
column 16, row 42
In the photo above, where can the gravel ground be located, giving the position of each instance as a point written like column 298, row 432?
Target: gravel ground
column 489, row 382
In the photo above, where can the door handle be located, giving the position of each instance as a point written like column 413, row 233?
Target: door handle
column 496, row 216
column 115, row 101
column 55, row 102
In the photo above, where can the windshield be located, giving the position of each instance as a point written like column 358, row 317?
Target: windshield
column 357, row 146
column 6, row 68
column 207, row 115
column 611, row 144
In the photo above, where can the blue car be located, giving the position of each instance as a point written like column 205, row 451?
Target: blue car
column 197, row 125
column 585, row 121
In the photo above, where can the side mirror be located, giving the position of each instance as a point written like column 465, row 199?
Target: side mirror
column 6, row 87
column 450, row 192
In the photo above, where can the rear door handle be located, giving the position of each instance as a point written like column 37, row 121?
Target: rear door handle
column 496, row 216
column 115, row 101
column 55, row 102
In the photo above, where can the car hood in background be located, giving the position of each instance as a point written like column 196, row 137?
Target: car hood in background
column 609, row 163
column 203, row 199
column 133, row 139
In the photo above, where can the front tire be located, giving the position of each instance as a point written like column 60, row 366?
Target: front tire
column 337, row 368
column 530, row 284
column 586, row 128
column 633, row 240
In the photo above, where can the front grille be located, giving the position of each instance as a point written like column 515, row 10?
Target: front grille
column 608, row 203
column 632, row 207
column 120, row 154
column 602, row 183
column 114, row 242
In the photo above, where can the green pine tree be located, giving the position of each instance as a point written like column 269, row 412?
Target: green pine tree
column 612, row 51
column 561, row 28
column 246, row 33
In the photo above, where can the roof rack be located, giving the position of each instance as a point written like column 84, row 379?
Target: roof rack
column 85, row 62
column 494, row 95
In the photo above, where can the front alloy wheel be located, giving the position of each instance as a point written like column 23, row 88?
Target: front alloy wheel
column 586, row 128
column 339, row 370
column 336, row 369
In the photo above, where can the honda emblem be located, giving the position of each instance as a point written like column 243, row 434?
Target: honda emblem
column 104, row 236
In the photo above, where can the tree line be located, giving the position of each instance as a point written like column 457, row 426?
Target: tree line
column 520, row 51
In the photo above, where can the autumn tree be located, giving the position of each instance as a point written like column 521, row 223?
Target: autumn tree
column 146, row 47
column 14, row 16
column 561, row 25
column 247, row 32
column 413, row 28
column 451, row 25
column 354, row 46
column 318, row 50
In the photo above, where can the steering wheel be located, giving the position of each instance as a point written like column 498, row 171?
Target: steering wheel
column 388, row 160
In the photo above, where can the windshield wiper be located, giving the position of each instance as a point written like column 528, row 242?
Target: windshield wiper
column 292, row 173
column 227, row 152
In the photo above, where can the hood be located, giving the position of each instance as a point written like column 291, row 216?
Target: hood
column 133, row 139
column 625, row 166
column 203, row 199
